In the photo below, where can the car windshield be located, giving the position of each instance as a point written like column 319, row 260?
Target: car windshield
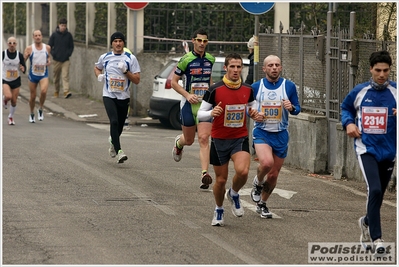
column 217, row 72
column 170, row 67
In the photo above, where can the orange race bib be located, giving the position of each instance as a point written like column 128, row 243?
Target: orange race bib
column 11, row 74
column 39, row 69
column 199, row 89
column 272, row 111
column 116, row 84
column 234, row 116
column 374, row 120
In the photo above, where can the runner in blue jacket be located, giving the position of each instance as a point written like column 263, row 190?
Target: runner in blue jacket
column 369, row 116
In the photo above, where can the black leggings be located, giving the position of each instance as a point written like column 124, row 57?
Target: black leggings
column 377, row 176
column 117, row 112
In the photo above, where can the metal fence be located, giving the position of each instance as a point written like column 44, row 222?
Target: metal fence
column 307, row 68
column 325, row 68
column 170, row 23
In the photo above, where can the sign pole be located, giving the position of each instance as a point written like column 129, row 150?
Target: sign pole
column 255, row 8
column 250, row 124
column 135, row 53
column 256, row 49
column 134, row 7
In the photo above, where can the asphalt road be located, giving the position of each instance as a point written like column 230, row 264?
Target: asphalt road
column 65, row 201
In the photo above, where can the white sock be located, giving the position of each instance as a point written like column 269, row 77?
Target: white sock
column 233, row 193
column 219, row 208
column 12, row 111
column 256, row 181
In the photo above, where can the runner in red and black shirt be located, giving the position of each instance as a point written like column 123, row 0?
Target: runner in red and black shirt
column 228, row 102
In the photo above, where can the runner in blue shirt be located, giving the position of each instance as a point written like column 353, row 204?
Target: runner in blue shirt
column 276, row 98
column 39, row 56
column 369, row 116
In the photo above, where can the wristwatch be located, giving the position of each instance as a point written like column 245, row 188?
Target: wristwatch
column 293, row 108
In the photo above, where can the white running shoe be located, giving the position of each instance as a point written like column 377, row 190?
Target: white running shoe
column 379, row 247
column 218, row 218
column 11, row 121
column 111, row 149
column 264, row 212
column 177, row 152
column 236, row 207
column 256, row 191
column 32, row 117
column 365, row 238
column 40, row 115
column 121, row 156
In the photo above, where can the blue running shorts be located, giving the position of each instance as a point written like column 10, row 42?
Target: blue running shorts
column 36, row 79
column 278, row 141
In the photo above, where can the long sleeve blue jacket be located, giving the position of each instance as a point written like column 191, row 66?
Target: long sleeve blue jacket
column 372, row 112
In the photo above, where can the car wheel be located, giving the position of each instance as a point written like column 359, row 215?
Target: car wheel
column 174, row 117
column 165, row 122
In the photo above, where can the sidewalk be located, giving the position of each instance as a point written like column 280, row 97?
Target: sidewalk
column 77, row 107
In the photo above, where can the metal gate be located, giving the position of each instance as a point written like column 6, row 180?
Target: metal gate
column 341, row 64
column 347, row 64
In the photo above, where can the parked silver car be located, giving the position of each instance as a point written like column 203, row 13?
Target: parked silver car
column 165, row 101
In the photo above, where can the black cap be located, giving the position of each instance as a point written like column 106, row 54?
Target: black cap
column 117, row 35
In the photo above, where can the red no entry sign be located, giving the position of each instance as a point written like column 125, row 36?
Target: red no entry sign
column 136, row 5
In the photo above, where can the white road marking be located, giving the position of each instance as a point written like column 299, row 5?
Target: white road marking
column 99, row 126
column 251, row 206
column 284, row 193
column 87, row 115
column 281, row 192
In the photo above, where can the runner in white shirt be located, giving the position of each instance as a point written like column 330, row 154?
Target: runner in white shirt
column 13, row 64
column 117, row 69
column 39, row 56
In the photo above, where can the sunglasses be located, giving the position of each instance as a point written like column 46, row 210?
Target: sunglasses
column 12, row 43
column 201, row 40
